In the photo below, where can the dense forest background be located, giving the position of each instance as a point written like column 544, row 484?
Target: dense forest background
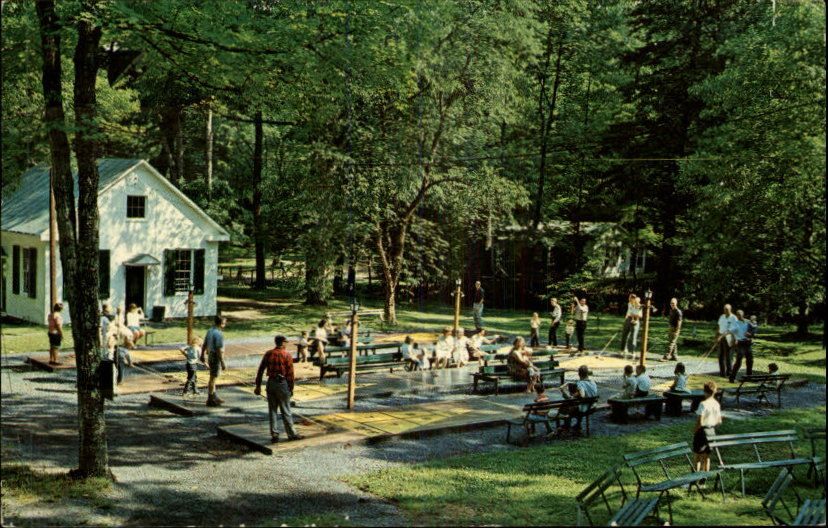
column 409, row 136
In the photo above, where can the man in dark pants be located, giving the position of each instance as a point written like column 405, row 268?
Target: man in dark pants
column 279, row 365
column 726, row 341
column 581, row 313
column 557, row 313
column 743, row 349
column 477, row 305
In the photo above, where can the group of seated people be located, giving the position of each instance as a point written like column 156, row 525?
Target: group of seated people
column 452, row 348
column 325, row 333
column 585, row 387
column 638, row 385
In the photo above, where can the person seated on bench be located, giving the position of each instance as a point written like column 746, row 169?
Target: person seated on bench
column 302, row 347
column 443, row 349
column 629, row 383
column 680, row 381
column 320, row 340
column 583, row 388
column 460, row 352
column 773, row 370
column 476, row 342
column 133, row 321
column 709, row 416
column 642, row 382
column 412, row 354
column 520, row 366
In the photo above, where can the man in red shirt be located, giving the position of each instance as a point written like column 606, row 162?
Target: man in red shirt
column 279, row 365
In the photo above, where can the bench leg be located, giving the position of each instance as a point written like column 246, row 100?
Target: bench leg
column 475, row 384
column 508, row 431
column 321, row 372
column 720, row 483
column 496, row 387
column 669, row 505
column 742, row 476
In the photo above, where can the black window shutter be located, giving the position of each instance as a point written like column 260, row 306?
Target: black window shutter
column 33, row 273
column 198, row 271
column 103, row 274
column 169, row 272
column 16, row 270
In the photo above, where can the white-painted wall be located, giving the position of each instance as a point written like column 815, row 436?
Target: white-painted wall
column 21, row 305
column 169, row 223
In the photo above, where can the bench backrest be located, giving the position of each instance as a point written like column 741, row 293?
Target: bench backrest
column 557, row 404
column 775, row 495
column 655, row 455
column 755, row 439
column 598, row 489
column 367, row 360
column 494, row 369
column 659, row 455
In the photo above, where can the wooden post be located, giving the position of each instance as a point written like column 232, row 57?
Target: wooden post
column 457, row 297
column 52, row 246
column 190, row 305
column 352, row 357
column 649, row 296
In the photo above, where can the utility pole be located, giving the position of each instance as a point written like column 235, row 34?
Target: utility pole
column 649, row 296
column 190, row 307
column 52, row 246
column 458, row 295
column 353, row 353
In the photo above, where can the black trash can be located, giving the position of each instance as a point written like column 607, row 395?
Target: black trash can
column 158, row 313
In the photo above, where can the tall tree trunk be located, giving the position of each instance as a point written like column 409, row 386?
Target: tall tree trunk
column 315, row 275
column 547, row 116
column 78, row 239
column 208, row 153
column 258, row 228
column 391, row 247
column 85, row 315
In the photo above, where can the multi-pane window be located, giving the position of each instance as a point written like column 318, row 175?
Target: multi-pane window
column 30, row 272
column 136, row 206
column 182, row 268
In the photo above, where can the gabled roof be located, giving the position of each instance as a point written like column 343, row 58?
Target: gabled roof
column 26, row 209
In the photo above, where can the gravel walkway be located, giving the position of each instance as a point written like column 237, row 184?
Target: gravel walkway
column 175, row 471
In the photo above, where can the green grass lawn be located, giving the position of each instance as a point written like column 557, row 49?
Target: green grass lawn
column 538, row 485
column 280, row 311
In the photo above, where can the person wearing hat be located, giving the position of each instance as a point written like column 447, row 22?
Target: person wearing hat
column 583, row 388
column 279, row 365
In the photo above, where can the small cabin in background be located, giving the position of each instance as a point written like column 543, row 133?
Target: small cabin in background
column 154, row 243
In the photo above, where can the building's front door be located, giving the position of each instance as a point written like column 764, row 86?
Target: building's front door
column 135, row 281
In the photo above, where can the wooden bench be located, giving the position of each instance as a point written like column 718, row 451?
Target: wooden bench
column 811, row 512
column 637, row 461
column 541, row 413
column 744, row 441
column 760, row 385
column 495, row 373
column 344, row 352
column 619, row 407
column 389, row 360
column 632, row 512
column 673, row 400
column 149, row 335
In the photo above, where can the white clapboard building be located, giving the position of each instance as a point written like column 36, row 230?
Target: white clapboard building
column 154, row 243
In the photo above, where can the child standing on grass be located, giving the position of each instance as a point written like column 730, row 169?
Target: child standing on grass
column 534, row 324
column 302, row 347
column 569, row 330
column 680, row 381
column 709, row 416
column 191, row 354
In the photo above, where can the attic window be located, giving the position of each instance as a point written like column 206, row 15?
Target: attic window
column 136, row 206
